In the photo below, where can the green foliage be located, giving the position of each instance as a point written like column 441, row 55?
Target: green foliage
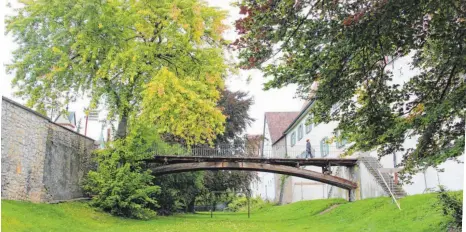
column 343, row 46
column 126, row 56
column 241, row 204
column 121, row 185
column 184, row 107
column 178, row 192
column 377, row 214
column 156, row 66
column 235, row 106
column 451, row 205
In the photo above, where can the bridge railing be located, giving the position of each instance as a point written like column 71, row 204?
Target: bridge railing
column 296, row 151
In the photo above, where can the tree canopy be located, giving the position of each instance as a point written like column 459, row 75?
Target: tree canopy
column 235, row 106
column 159, row 59
column 183, row 190
column 156, row 66
column 344, row 45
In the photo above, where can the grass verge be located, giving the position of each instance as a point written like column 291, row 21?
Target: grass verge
column 378, row 214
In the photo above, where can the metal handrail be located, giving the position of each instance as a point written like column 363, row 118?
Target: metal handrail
column 393, row 196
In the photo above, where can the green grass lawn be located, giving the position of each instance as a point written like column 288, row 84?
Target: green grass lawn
column 378, row 214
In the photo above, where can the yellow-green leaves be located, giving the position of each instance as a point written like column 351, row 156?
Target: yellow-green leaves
column 183, row 106
column 114, row 51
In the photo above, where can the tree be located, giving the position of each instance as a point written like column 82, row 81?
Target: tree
column 235, row 106
column 178, row 192
column 128, row 56
column 156, row 66
column 182, row 190
column 120, row 184
column 451, row 205
column 343, row 46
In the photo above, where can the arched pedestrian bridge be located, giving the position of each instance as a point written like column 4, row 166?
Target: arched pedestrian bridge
column 161, row 165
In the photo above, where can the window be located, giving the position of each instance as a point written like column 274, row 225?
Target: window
column 300, row 132
column 293, row 139
column 324, row 150
column 309, row 125
column 340, row 142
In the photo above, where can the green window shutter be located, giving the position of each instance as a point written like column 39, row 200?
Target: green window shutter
column 300, row 132
column 324, row 148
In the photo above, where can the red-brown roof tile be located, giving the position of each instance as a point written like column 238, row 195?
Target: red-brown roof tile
column 278, row 122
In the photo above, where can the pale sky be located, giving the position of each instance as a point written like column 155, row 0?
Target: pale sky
column 264, row 101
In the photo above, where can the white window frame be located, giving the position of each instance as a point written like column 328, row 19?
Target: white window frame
column 309, row 126
column 324, row 147
column 293, row 138
column 300, row 132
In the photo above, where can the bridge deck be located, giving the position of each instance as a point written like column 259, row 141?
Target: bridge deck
column 321, row 162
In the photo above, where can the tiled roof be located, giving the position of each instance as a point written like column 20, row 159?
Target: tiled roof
column 278, row 122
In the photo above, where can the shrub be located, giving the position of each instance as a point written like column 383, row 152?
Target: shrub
column 451, row 204
column 241, row 203
column 121, row 188
column 120, row 185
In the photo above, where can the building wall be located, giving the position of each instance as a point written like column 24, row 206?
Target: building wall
column 304, row 189
column 279, row 151
column 41, row 161
column 448, row 174
column 451, row 175
column 67, row 160
column 265, row 186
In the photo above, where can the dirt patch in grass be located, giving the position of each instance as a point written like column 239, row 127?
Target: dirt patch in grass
column 329, row 209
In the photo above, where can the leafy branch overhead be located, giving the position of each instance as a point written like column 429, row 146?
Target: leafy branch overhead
column 346, row 47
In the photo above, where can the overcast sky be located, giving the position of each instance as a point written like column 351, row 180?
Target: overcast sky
column 264, row 101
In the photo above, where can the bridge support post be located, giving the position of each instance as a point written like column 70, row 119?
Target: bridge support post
column 354, row 175
column 351, row 195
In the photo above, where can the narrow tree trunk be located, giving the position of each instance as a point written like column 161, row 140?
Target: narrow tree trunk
column 191, row 206
column 282, row 189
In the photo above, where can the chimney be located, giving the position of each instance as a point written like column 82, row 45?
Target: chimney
column 313, row 91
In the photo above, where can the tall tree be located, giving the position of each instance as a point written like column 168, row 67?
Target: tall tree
column 180, row 191
column 156, row 66
column 161, row 59
column 343, row 46
column 235, row 106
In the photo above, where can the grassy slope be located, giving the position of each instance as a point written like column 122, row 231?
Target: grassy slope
column 377, row 214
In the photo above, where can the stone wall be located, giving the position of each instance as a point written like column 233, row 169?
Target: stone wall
column 41, row 161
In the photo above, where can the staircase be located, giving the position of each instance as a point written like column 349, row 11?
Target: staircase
column 385, row 180
column 337, row 172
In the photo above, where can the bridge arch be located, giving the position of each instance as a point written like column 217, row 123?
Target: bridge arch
column 261, row 167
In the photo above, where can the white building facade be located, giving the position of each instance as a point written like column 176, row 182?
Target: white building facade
column 324, row 145
column 273, row 145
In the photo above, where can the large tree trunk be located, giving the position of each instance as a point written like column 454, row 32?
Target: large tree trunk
column 122, row 127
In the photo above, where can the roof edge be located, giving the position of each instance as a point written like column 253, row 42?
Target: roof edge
column 278, row 140
column 299, row 116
